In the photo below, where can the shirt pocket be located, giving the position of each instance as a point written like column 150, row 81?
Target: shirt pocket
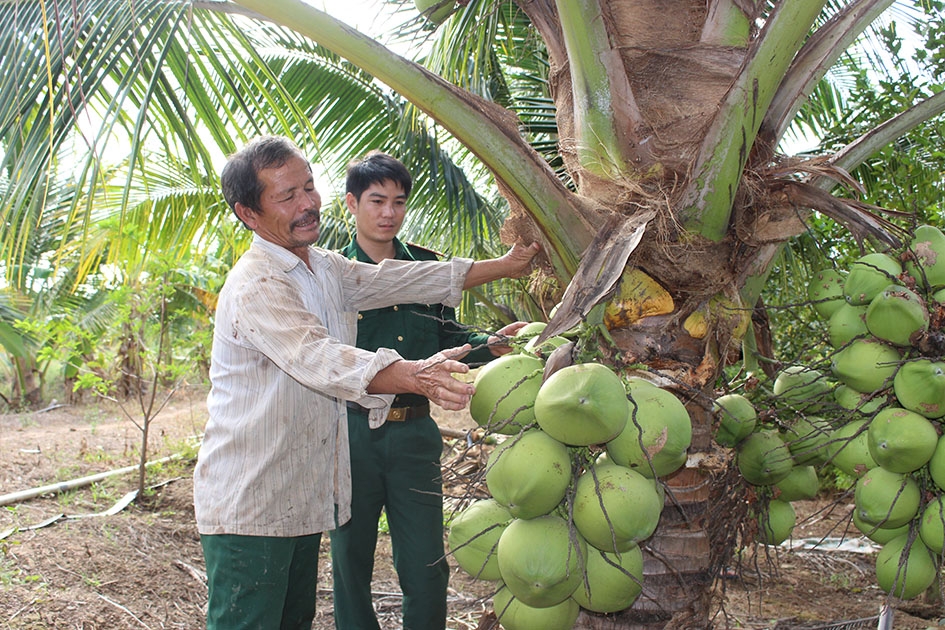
column 376, row 329
column 421, row 328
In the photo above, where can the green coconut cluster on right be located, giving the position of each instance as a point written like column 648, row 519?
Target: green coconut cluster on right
column 876, row 414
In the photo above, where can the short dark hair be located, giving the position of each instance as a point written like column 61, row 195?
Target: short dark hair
column 240, row 177
column 375, row 168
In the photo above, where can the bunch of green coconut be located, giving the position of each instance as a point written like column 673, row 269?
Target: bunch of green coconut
column 574, row 484
column 876, row 414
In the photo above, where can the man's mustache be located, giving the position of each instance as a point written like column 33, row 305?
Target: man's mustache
column 307, row 218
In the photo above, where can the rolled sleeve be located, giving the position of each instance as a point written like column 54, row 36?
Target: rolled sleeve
column 378, row 405
column 461, row 267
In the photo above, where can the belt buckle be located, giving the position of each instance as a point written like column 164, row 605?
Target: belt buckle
column 398, row 414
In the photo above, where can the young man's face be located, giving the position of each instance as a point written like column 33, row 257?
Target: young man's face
column 379, row 212
column 290, row 207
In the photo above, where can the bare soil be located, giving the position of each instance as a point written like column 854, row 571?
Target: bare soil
column 82, row 559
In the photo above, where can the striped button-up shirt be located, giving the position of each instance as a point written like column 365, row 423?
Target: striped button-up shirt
column 274, row 459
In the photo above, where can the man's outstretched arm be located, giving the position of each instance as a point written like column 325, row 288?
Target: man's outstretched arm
column 431, row 377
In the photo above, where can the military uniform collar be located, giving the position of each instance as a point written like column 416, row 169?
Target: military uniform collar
column 354, row 251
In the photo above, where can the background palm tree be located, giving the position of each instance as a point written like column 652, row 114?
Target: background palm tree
column 114, row 123
column 624, row 135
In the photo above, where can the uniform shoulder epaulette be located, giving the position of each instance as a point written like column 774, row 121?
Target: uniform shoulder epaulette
column 347, row 251
column 426, row 250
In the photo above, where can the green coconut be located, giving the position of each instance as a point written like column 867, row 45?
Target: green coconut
column 932, row 525
column 939, row 296
column 615, row 507
column 920, row 387
column 801, row 483
column 614, row 581
column 869, row 275
column 901, row 440
column 905, row 571
column 877, row 534
column 886, row 498
column 528, row 332
column 656, row 438
column 736, row 419
column 807, row 438
column 582, row 404
column 866, row 365
column 897, row 315
column 504, row 401
column 529, row 474
column 928, row 247
column 540, row 560
column 846, row 324
column 848, row 448
column 546, row 347
column 849, row 398
column 937, row 464
column 436, row 11
column 776, row 523
column 474, row 534
column 513, row 614
column 825, row 291
column 527, row 339
column 801, row 388
column 763, row 458
column 528, row 335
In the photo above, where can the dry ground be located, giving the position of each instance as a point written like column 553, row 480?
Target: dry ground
column 64, row 564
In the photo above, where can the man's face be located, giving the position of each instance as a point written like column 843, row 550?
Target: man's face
column 379, row 212
column 290, row 207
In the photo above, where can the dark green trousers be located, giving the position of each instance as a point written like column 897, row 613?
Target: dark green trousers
column 261, row 582
column 395, row 467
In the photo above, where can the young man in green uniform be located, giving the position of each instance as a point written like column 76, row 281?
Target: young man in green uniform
column 397, row 466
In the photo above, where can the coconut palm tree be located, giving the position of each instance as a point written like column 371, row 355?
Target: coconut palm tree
column 668, row 119
column 661, row 158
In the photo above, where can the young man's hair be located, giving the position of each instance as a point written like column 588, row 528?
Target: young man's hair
column 375, row 168
column 240, row 177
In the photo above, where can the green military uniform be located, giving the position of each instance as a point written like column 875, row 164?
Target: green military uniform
column 397, row 467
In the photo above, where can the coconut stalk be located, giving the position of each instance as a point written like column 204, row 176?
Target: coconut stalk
column 726, row 25
column 604, row 106
column 818, row 54
column 869, row 143
column 706, row 205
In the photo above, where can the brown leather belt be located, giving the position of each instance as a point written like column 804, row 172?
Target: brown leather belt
column 397, row 414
